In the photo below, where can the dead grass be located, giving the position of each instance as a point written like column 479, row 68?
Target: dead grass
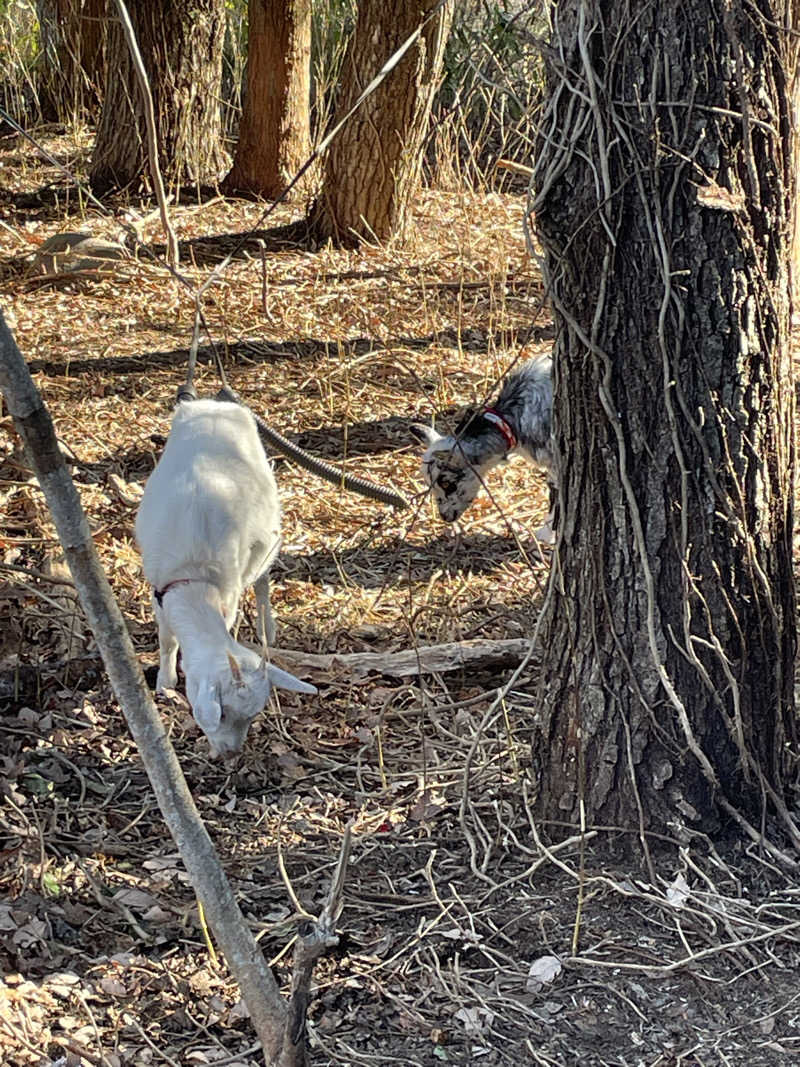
column 453, row 902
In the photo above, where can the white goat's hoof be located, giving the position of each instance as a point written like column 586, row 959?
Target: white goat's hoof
column 166, row 680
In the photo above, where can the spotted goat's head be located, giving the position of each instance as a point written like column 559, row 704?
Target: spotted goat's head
column 454, row 466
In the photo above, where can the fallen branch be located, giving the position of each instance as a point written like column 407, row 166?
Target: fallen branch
column 283, row 1047
column 435, row 659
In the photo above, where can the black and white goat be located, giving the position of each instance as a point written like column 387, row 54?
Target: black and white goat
column 208, row 526
column 519, row 423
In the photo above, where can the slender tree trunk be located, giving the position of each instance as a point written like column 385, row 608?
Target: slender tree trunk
column 71, row 36
column 181, row 45
column 372, row 169
column 664, row 188
column 274, row 134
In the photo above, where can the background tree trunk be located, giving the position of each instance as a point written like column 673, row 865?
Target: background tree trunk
column 71, row 35
column 666, row 219
column 274, row 133
column 372, row 169
column 181, row 45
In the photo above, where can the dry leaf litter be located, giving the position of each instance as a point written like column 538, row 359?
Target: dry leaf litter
column 466, row 939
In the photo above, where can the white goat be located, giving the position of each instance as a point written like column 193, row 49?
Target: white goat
column 518, row 424
column 208, row 527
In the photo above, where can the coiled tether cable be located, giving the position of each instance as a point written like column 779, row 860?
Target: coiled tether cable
column 313, row 464
column 332, row 474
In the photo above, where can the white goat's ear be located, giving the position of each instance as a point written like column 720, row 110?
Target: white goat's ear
column 283, row 680
column 426, row 435
column 207, row 713
column 235, row 671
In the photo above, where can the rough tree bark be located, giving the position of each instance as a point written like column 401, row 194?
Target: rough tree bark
column 795, row 255
column 664, row 184
column 71, row 35
column 372, row 169
column 274, row 133
column 181, row 45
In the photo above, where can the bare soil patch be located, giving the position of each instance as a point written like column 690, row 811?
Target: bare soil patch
column 470, row 935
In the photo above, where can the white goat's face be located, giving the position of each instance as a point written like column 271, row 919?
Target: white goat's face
column 224, row 705
column 453, row 480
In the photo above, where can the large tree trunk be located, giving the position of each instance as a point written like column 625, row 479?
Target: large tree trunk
column 793, row 79
column 372, row 169
column 71, row 34
column 274, row 133
column 181, row 45
column 664, row 188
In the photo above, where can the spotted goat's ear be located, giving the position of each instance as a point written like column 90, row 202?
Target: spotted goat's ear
column 426, row 435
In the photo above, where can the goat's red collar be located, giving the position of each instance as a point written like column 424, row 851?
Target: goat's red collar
column 159, row 594
column 496, row 419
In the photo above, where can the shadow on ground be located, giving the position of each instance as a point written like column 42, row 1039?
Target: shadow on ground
column 373, row 567
column 254, row 353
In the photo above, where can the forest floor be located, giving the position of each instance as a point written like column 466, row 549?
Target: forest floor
column 465, row 938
